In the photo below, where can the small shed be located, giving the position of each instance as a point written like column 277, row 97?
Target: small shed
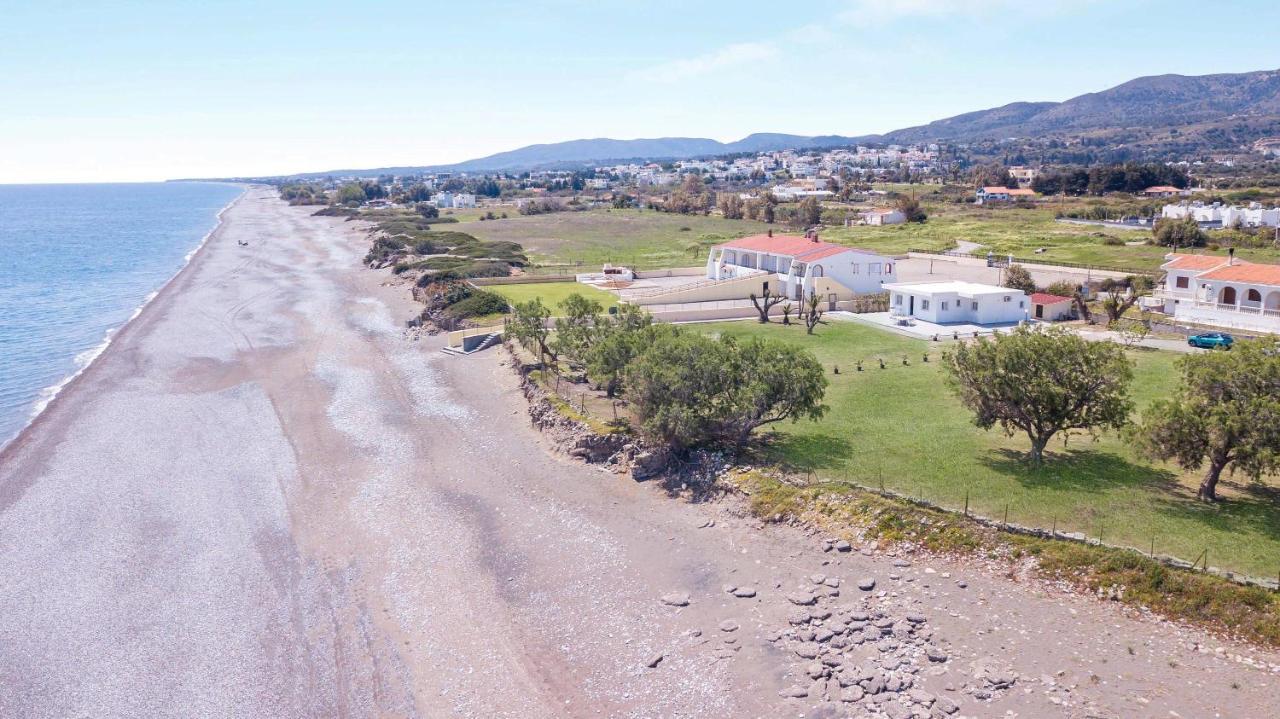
column 1053, row 308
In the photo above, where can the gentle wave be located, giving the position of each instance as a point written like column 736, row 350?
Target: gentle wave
column 84, row 359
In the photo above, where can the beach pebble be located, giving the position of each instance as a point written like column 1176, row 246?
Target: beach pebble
column 676, row 599
column 866, row 584
column 744, row 592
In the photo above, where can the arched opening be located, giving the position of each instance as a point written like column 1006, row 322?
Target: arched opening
column 1227, row 296
column 1252, row 298
column 1273, row 301
column 817, row 271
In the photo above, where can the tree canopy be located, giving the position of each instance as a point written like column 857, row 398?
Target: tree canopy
column 1042, row 382
column 1225, row 414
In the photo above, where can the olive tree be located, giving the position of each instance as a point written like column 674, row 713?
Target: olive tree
column 528, row 326
column 1042, row 382
column 1225, row 414
column 687, row 389
column 577, row 327
column 1019, row 278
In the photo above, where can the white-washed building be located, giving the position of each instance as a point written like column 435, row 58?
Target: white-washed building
column 956, row 301
column 1220, row 291
column 800, row 266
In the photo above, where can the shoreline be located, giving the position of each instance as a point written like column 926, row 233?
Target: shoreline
column 50, row 395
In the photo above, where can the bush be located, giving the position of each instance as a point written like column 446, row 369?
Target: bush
column 1113, row 241
column 480, row 302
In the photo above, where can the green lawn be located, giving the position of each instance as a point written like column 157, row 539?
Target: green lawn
column 552, row 293
column 902, row 424
column 643, row 239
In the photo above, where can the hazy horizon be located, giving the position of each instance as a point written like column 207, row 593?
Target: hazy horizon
column 152, row 93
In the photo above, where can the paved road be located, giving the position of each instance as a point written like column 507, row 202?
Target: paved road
column 265, row 501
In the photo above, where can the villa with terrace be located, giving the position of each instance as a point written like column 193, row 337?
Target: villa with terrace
column 1220, row 291
column 797, row 267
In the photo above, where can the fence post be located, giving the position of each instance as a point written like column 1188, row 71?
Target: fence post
column 1006, row 514
column 1153, row 546
column 1054, row 532
column 966, row 503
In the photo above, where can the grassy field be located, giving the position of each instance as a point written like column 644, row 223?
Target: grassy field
column 552, row 293
column 901, row 424
column 643, row 239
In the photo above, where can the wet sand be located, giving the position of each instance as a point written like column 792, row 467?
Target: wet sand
column 265, row 501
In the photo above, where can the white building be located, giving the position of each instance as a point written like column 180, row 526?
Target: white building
column 883, row 216
column 1220, row 291
column 455, row 200
column 802, row 265
column 1255, row 215
column 985, row 195
column 957, row 301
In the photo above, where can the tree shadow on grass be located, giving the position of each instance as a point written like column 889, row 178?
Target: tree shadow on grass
column 802, row 453
column 1254, row 509
column 1080, row 470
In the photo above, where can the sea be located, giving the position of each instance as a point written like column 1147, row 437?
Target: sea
column 77, row 262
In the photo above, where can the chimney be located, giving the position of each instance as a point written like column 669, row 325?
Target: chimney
column 1231, row 255
column 815, row 236
column 771, row 232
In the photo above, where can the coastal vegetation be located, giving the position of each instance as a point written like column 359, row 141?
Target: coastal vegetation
column 681, row 390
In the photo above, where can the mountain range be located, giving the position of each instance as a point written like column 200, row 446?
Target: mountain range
column 1160, row 113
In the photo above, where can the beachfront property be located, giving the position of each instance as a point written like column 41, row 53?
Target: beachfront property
column 1219, row 215
column 1220, row 291
column 1165, row 191
column 798, row 266
column 985, row 195
column 957, row 302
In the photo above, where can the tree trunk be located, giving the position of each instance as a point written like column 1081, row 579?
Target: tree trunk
column 1208, row 491
column 1037, row 450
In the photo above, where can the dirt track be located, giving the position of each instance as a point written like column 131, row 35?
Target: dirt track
column 265, row 501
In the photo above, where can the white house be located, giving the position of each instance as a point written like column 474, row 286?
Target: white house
column 802, row 265
column 883, row 216
column 958, row 301
column 455, row 200
column 985, row 195
column 1052, row 308
column 1220, row 291
column 1255, row 215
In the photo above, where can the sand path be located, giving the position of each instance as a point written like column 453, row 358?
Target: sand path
column 264, row 501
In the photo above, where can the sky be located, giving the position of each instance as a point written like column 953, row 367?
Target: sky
column 141, row 91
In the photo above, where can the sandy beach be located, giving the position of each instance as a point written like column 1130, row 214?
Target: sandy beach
column 264, row 500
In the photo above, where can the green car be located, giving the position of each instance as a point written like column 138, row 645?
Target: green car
column 1211, row 340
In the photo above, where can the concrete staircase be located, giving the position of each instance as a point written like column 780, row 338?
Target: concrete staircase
column 475, row 343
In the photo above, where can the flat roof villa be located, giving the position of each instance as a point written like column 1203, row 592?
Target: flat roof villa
column 958, row 302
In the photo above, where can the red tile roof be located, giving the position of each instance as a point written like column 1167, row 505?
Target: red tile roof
column 1195, row 262
column 801, row 248
column 1162, row 188
column 1246, row 272
column 1044, row 298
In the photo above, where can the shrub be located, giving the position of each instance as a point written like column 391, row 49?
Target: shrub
column 480, row 302
column 1113, row 241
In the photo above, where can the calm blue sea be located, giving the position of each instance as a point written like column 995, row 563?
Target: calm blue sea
column 76, row 263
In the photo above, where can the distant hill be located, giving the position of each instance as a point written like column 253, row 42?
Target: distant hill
column 1161, row 113
column 577, row 153
column 1153, row 105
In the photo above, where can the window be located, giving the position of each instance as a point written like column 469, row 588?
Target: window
column 817, row 271
column 944, row 306
column 897, row 299
column 1182, row 282
column 873, row 268
column 924, row 304
column 784, row 264
column 855, row 268
column 1021, row 304
column 1007, row 298
column 888, row 268
column 973, row 306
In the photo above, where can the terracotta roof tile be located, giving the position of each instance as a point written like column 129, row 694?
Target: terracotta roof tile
column 1044, row 298
column 1246, row 272
column 1195, row 262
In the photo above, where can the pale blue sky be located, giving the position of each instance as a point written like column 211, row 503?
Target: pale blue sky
column 152, row 90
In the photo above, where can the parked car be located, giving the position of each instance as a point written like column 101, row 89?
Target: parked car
column 1211, row 340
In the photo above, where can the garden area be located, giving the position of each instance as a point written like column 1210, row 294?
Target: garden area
column 901, row 428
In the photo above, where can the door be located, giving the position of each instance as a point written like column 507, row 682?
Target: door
column 831, row 302
column 911, row 305
column 1039, row 312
